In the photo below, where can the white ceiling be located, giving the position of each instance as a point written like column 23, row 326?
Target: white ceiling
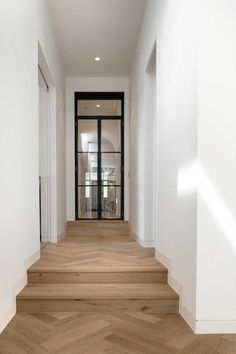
column 97, row 28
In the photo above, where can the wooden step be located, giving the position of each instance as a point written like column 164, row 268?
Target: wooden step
column 99, row 275
column 95, row 224
column 155, row 298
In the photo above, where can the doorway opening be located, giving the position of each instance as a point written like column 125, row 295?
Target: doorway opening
column 44, row 158
column 99, row 155
column 150, row 148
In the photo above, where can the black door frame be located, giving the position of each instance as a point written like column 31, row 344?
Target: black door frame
column 99, row 96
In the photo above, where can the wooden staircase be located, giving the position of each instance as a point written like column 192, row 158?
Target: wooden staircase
column 97, row 267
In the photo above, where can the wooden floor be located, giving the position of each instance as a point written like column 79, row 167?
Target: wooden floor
column 96, row 249
column 99, row 292
column 123, row 333
column 97, row 267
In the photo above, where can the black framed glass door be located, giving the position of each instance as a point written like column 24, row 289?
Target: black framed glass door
column 99, row 155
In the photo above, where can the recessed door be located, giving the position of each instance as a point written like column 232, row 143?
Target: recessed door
column 99, row 156
column 44, row 173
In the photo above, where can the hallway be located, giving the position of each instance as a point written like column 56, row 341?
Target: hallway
column 117, row 177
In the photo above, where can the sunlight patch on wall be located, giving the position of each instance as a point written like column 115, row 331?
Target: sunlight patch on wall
column 192, row 178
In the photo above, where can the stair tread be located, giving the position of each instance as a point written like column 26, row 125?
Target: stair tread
column 97, row 291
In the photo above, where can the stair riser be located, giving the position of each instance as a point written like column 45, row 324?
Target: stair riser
column 106, row 277
column 158, row 306
column 99, row 225
column 98, row 233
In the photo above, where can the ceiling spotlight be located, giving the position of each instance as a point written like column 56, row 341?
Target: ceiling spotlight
column 98, row 106
column 97, row 59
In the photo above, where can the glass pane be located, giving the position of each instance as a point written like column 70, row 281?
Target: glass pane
column 87, row 173
column 111, row 135
column 111, row 168
column 99, row 107
column 87, row 135
column 111, row 202
column 87, row 202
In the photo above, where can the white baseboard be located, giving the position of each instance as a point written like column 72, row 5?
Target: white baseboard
column 215, row 327
column 147, row 244
column 32, row 259
column 58, row 238
column 187, row 316
column 7, row 318
column 198, row 326
column 178, row 288
column 162, row 259
column 16, row 289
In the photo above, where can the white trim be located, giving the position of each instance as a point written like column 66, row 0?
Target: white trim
column 57, row 238
column 215, row 327
column 178, row 288
column 187, row 316
column 32, row 259
column 198, row 326
column 7, row 317
column 146, row 244
column 17, row 288
column 162, row 259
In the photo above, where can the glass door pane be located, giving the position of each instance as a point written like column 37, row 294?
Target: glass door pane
column 99, row 108
column 111, row 202
column 111, row 168
column 87, row 135
column 87, row 202
column 87, row 170
column 110, row 135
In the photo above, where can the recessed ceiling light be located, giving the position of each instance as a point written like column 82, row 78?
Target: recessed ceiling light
column 98, row 106
column 97, row 59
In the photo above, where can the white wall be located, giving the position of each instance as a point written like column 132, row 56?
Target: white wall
column 22, row 25
column 216, row 246
column 172, row 24
column 94, row 85
column 196, row 153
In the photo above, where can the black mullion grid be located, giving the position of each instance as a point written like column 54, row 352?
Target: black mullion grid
column 98, row 95
column 102, row 185
column 95, row 152
column 122, row 159
column 96, row 117
column 99, row 170
column 76, row 160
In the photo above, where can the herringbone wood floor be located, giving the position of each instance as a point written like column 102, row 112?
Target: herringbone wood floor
column 133, row 333
column 77, row 252
column 85, row 257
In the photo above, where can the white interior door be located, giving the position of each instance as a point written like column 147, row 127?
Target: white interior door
column 44, row 162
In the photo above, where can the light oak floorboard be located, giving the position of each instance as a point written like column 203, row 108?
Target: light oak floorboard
column 87, row 333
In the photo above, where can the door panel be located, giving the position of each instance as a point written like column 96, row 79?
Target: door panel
column 44, row 159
